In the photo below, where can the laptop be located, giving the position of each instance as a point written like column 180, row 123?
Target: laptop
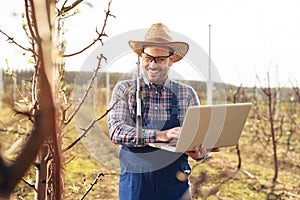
column 218, row 125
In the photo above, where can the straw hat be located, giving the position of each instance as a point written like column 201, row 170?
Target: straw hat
column 158, row 35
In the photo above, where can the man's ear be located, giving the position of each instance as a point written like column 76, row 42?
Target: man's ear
column 171, row 60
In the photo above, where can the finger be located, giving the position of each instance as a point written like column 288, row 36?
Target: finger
column 215, row 150
column 190, row 153
column 196, row 149
column 202, row 150
column 176, row 132
column 194, row 152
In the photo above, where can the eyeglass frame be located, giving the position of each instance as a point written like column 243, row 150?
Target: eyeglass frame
column 156, row 57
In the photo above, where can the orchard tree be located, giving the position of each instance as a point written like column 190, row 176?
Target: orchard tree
column 46, row 103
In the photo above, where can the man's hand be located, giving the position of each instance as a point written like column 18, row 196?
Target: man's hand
column 167, row 135
column 200, row 152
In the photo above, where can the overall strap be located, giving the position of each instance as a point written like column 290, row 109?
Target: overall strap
column 174, row 108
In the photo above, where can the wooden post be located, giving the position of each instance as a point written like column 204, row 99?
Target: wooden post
column 209, row 89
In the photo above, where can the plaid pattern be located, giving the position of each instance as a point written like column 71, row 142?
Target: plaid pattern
column 156, row 105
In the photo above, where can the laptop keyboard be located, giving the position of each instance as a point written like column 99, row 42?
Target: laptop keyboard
column 173, row 143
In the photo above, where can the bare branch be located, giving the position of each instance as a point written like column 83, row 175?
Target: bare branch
column 65, row 9
column 29, row 21
column 268, row 93
column 29, row 184
column 96, row 180
column 100, row 35
column 85, row 131
column 12, row 75
column 236, row 94
column 33, row 43
column 87, row 90
column 12, row 40
column 296, row 90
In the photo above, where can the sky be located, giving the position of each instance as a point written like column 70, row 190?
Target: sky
column 248, row 38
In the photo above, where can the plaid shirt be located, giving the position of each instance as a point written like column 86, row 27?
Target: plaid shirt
column 156, row 105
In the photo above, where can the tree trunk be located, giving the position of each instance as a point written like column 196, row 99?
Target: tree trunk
column 44, row 21
column 42, row 173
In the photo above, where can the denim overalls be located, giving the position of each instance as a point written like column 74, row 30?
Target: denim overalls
column 149, row 173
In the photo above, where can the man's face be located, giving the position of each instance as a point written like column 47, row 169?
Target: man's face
column 156, row 62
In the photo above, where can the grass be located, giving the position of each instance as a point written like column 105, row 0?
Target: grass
column 216, row 178
column 254, row 179
column 81, row 172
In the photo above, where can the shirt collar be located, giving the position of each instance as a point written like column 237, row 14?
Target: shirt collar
column 163, row 86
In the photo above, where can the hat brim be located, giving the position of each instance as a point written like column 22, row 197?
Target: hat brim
column 179, row 48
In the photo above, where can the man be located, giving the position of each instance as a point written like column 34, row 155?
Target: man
column 147, row 172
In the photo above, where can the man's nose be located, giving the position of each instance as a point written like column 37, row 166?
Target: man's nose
column 153, row 60
column 152, row 65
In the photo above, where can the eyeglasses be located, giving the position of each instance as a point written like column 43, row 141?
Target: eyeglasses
column 158, row 59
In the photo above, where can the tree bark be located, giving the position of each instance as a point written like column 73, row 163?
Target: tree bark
column 45, row 122
column 42, row 173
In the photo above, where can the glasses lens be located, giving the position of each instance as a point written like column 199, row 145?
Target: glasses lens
column 159, row 59
column 147, row 59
